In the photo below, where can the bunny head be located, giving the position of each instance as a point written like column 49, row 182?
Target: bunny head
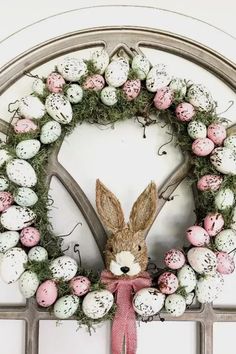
column 126, row 250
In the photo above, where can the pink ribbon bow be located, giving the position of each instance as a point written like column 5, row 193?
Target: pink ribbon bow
column 124, row 323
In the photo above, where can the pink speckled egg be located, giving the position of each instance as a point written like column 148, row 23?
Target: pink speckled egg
column 209, row 183
column 24, row 126
column 217, row 133
column 184, row 111
column 95, row 82
column 163, row 98
column 6, row 200
column 225, row 263
column 46, row 294
column 213, row 223
column 55, row 82
column 132, row 89
column 197, row 236
column 168, row 283
column 30, row 236
column 80, row 285
column 202, row 146
column 174, row 259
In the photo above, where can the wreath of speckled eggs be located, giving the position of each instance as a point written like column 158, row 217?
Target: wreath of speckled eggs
column 102, row 91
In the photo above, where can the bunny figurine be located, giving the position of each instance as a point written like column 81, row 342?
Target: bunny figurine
column 126, row 258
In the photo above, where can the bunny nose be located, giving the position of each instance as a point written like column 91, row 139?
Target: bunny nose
column 124, row 269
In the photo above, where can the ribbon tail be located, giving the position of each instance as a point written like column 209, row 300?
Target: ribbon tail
column 118, row 334
column 131, row 334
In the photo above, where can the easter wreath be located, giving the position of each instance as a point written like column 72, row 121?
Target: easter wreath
column 103, row 91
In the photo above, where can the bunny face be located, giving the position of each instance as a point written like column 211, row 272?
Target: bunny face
column 126, row 250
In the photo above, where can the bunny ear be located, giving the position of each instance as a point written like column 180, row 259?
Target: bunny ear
column 144, row 209
column 109, row 208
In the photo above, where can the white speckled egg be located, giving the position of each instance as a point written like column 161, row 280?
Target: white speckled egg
column 66, row 306
column 31, row 107
column 16, row 218
column 28, row 284
column 175, row 305
column 13, row 264
column 38, row 254
column 4, row 183
column 39, row 87
column 224, row 160
column 230, row 143
column 4, row 156
column 224, row 199
column 74, row 93
column 197, row 130
column 233, row 220
column 200, row 97
column 59, row 108
column 108, row 96
column 50, row 132
column 148, row 301
column 8, row 240
column 27, row 149
column 209, row 287
column 202, row 260
column 63, row 267
column 100, row 59
column 179, row 87
column 72, row 69
column 25, row 197
column 21, row 173
column 97, row 304
column 116, row 74
column 157, row 78
column 141, row 66
column 226, row 240
column 187, row 278
column 122, row 61
column 189, row 299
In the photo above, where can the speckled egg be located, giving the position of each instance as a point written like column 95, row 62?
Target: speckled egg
column 225, row 263
column 213, row 223
column 209, row 183
column 97, row 304
column 66, row 306
column 109, row 96
column 174, row 259
column 184, row 112
column 116, row 74
column 197, row 130
column 217, row 133
column 209, row 287
column 6, row 200
column 187, row 278
column 80, row 285
column 13, row 264
column 100, row 59
column 59, row 108
column 148, row 301
column 38, row 254
column 132, row 89
column 39, row 87
column 29, row 236
column 202, row 147
column 141, row 66
column 157, row 78
column 4, row 183
column 72, row 69
column 16, row 218
column 95, row 82
column 46, row 294
column 179, row 87
column 4, row 156
column 31, row 107
column 230, row 143
column 27, row 149
column 24, row 126
column 168, row 283
column 21, row 173
column 63, row 267
column 8, row 240
column 225, row 241
column 163, row 98
column 74, row 93
column 197, row 236
column 233, row 219
column 25, row 197
column 224, row 160
column 224, row 199
column 28, row 284
column 50, row 132
column 189, row 299
column 200, row 97
column 55, row 82
column 175, row 305
column 122, row 61
column 202, row 260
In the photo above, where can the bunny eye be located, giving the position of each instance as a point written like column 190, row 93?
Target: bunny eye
column 110, row 249
column 139, row 247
